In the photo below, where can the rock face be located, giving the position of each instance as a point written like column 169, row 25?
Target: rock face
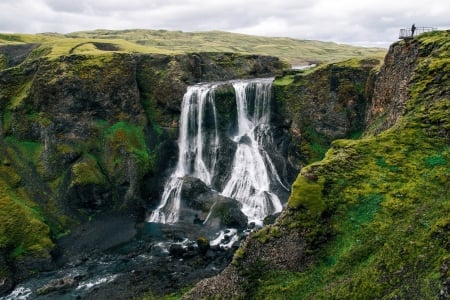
column 14, row 55
column 324, row 104
column 388, row 101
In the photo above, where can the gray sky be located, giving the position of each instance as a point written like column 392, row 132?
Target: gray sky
column 358, row 22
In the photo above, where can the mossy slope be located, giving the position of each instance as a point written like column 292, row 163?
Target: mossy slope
column 384, row 199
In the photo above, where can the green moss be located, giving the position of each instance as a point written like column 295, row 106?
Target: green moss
column 21, row 93
column 285, row 80
column 22, row 229
column 29, row 149
column 238, row 256
column 86, row 172
column 307, row 193
column 435, row 160
column 388, row 226
column 266, row 233
column 123, row 138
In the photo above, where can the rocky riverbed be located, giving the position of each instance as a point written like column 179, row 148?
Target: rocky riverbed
column 118, row 259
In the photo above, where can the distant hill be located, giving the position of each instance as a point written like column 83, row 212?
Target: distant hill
column 296, row 52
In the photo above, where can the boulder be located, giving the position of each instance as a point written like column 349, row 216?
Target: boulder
column 58, row 285
column 201, row 204
column 196, row 194
column 6, row 284
column 230, row 214
column 203, row 245
column 177, row 250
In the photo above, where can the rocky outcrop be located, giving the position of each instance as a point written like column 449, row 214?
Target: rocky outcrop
column 13, row 55
column 276, row 248
column 324, row 104
column 391, row 87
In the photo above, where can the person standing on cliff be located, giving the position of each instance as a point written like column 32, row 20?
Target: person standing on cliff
column 413, row 28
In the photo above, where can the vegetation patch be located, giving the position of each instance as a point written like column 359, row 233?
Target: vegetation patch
column 266, row 233
column 22, row 227
column 297, row 52
column 307, row 193
column 86, row 172
column 124, row 138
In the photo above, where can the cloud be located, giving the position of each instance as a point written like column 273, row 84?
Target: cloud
column 368, row 22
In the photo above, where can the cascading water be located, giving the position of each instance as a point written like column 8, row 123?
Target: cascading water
column 198, row 144
column 250, row 181
column 252, row 173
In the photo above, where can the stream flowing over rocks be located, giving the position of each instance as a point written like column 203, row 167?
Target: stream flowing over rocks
column 114, row 260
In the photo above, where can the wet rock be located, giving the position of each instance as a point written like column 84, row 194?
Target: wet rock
column 245, row 140
column 203, row 245
column 58, row 285
column 177, row 250
column 24, row 267
column 6, row 284
column 6, row 280
column 230, row 214
column 271, row 219
column 102, row 233
column 199, row 201
column 197, row 194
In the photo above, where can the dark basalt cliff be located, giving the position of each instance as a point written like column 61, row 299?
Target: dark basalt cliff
column 326, row 103
column 370, row 220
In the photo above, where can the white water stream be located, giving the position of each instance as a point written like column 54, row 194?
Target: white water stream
column 198, row 143
column 250, row 181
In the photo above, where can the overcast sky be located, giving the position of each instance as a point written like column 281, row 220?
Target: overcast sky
column 358, row 22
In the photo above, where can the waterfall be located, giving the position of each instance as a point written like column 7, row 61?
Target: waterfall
column 250, row 182
column 252, row 172
column 198, row 143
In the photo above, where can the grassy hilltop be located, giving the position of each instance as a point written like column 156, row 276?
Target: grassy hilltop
column 162, row 41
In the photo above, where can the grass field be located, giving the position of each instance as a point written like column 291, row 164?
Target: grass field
column 296, row 52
